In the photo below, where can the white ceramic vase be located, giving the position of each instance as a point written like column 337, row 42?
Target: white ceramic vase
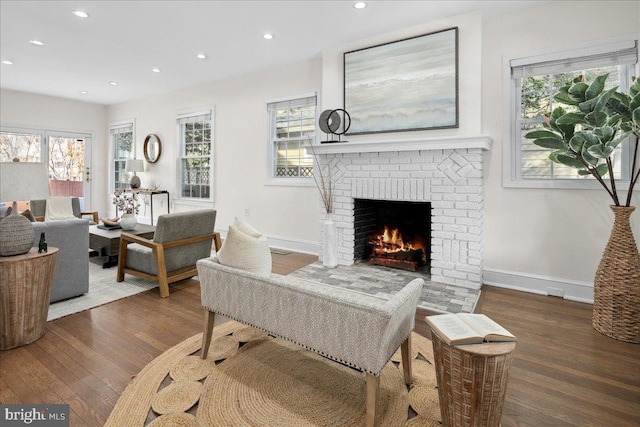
column 128, row 221
column 329, row 249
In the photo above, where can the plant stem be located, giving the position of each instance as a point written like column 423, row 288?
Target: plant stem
column 613, row 181
column 633, row 179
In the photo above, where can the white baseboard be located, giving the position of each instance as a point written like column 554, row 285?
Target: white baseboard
column 287, row 243
column 543, row 285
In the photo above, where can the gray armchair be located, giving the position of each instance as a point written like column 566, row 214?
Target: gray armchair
column 39, row 207
column 180, row 239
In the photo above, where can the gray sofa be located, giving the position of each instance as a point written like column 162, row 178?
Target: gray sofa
column 71, row 237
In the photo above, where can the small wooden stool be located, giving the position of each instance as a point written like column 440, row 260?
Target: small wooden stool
column 472, row 381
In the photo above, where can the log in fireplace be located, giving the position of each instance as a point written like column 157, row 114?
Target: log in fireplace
column 393, row 234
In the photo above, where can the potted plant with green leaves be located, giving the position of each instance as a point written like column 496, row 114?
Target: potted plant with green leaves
column 585, row 135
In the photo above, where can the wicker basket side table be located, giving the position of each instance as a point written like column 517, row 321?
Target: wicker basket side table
column 472, row 381
column 25, row 289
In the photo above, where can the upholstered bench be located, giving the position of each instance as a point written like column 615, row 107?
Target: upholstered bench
column 353, row 328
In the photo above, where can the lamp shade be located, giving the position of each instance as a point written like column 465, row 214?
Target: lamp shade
column 20, row 181
column 23, row 181
column 134, row 165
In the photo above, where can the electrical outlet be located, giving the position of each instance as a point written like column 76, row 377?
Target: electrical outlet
column 247, row 212
column 161, row 203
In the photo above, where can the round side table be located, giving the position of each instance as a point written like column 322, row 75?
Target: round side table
column 472, row 381
column 25, row 290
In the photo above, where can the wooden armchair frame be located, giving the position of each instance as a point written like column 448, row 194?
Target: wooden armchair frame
column 164, row 277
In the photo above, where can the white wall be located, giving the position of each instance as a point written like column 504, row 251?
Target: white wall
column 545, row 234
column 29, row 110
column 240, row 149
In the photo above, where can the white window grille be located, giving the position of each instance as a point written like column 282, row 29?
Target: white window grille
column 291, row 131
column 532, row 82
column 196, row 155
column 122, row 140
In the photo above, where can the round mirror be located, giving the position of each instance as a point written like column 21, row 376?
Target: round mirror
column 152, row 148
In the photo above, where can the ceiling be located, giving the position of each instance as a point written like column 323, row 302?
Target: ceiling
column 122, row 41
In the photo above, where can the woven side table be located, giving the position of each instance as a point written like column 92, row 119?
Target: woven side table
column 472, row 381
column 25, row 290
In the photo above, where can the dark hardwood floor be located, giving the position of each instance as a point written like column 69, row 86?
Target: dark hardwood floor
column 564, row 373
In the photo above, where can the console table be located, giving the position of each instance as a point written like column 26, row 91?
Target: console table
column 151, row 194
column 25, row 290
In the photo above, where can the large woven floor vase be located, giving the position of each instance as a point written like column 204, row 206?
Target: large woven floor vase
column 616, row 302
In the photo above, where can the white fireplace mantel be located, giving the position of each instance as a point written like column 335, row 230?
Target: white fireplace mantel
column 414, row 144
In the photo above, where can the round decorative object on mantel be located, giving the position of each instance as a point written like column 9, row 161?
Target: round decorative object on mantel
column 16, row 234
column 128, row 221
column 330, row 123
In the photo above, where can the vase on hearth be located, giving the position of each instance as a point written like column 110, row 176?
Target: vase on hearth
column 616, row 300
column 329, row 249
column 128, row 221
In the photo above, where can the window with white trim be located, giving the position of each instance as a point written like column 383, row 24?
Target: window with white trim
column 195, row 130
column 533, row 82
column 291, row 131
column 122, row 140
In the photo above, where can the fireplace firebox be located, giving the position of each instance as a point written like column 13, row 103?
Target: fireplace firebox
column 393, row 234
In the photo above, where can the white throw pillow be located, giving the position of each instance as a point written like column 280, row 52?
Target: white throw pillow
column 248, row 252
column 246, row 228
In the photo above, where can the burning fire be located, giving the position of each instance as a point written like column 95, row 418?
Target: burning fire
column 390, row 241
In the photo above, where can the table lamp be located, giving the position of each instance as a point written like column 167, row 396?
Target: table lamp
column 20, row 181
column 134, row 165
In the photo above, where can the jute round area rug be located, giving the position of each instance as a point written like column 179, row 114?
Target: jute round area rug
column 251, row 379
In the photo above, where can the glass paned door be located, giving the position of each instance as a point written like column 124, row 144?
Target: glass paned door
column 69, row 159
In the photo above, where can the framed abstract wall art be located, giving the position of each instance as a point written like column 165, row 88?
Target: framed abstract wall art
column 406, row 85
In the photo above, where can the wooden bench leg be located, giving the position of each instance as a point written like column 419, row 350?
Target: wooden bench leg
column 373, row 385
column 405, row 350
column 209, row 317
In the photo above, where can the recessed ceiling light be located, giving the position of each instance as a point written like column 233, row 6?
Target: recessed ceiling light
column 80, row 14
column 360, row 5
column 113, row 83
column 156, row 70
column 267, row 36
column 36, row 42
column 7, row 62
column 201, row 56
column 84, row 92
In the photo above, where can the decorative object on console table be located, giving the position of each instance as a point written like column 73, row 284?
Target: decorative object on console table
column 330, row 123
column 25, row 290
column 472, row 380
column 20, row 181
column 134, row 165
column 406, row 85
column 586, row 138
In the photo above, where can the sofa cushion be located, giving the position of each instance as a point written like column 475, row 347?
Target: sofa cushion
column 247, row 251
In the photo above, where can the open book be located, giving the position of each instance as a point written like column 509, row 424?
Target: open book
column 467, row 328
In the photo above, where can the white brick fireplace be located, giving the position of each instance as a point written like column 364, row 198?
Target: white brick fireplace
column 447, row 172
